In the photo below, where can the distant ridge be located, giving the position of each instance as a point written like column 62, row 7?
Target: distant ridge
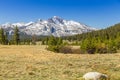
column 55, row 26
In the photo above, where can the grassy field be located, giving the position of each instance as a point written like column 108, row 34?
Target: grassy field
column 35, row 63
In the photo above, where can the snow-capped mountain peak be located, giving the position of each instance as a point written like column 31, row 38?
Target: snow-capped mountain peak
column 55, row 26
column 56, row 20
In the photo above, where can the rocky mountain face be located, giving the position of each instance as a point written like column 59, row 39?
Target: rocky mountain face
column 55, row 26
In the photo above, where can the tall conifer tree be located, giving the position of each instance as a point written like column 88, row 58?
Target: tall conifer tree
column 2, row 36
column 16, row 36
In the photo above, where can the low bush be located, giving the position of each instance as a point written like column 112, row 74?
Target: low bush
column 53, row 48
column 91, row 50
column 112, row 50
column 77, row 51
column 102, row 50
column 65, row 49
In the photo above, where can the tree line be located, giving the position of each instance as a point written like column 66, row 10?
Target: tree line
column 4, row 37
column 100, row 41
column 14, row 39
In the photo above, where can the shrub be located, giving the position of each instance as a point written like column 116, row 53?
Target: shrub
column 53, row 48
column 88, row 46
column 112, row 50
column 77, row 51
column 91, row 50
column 102, row 50
column 54, row 44
column 65, row 49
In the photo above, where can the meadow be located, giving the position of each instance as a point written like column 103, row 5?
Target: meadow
column 34, row 62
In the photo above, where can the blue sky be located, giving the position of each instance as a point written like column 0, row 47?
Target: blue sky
column 95, row 13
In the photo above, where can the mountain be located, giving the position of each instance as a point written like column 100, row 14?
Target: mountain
column 55, row 26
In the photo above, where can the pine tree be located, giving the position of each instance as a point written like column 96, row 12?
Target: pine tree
column 47, row 40
column 34, row 39
column 52, row 41
column 2, row 36
column 43, row 42
column 52, row 44
column 88, row 45
column 60, row 41
column 16, row 38
column 6, row 38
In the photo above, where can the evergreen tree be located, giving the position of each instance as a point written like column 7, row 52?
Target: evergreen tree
column 6, row 38
column 89, row 45
column 54, row 44
column 16, row 38
column 2, row 36
column 60, row 41
column 47, row 40
column 43, row 42
column 52, row 41
column 34, row 39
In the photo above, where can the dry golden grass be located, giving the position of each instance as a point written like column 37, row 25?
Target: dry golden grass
column 36, row 63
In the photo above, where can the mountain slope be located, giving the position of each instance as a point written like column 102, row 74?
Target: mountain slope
column 55, row 26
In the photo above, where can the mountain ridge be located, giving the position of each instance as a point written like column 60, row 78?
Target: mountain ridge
column 55, row 26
